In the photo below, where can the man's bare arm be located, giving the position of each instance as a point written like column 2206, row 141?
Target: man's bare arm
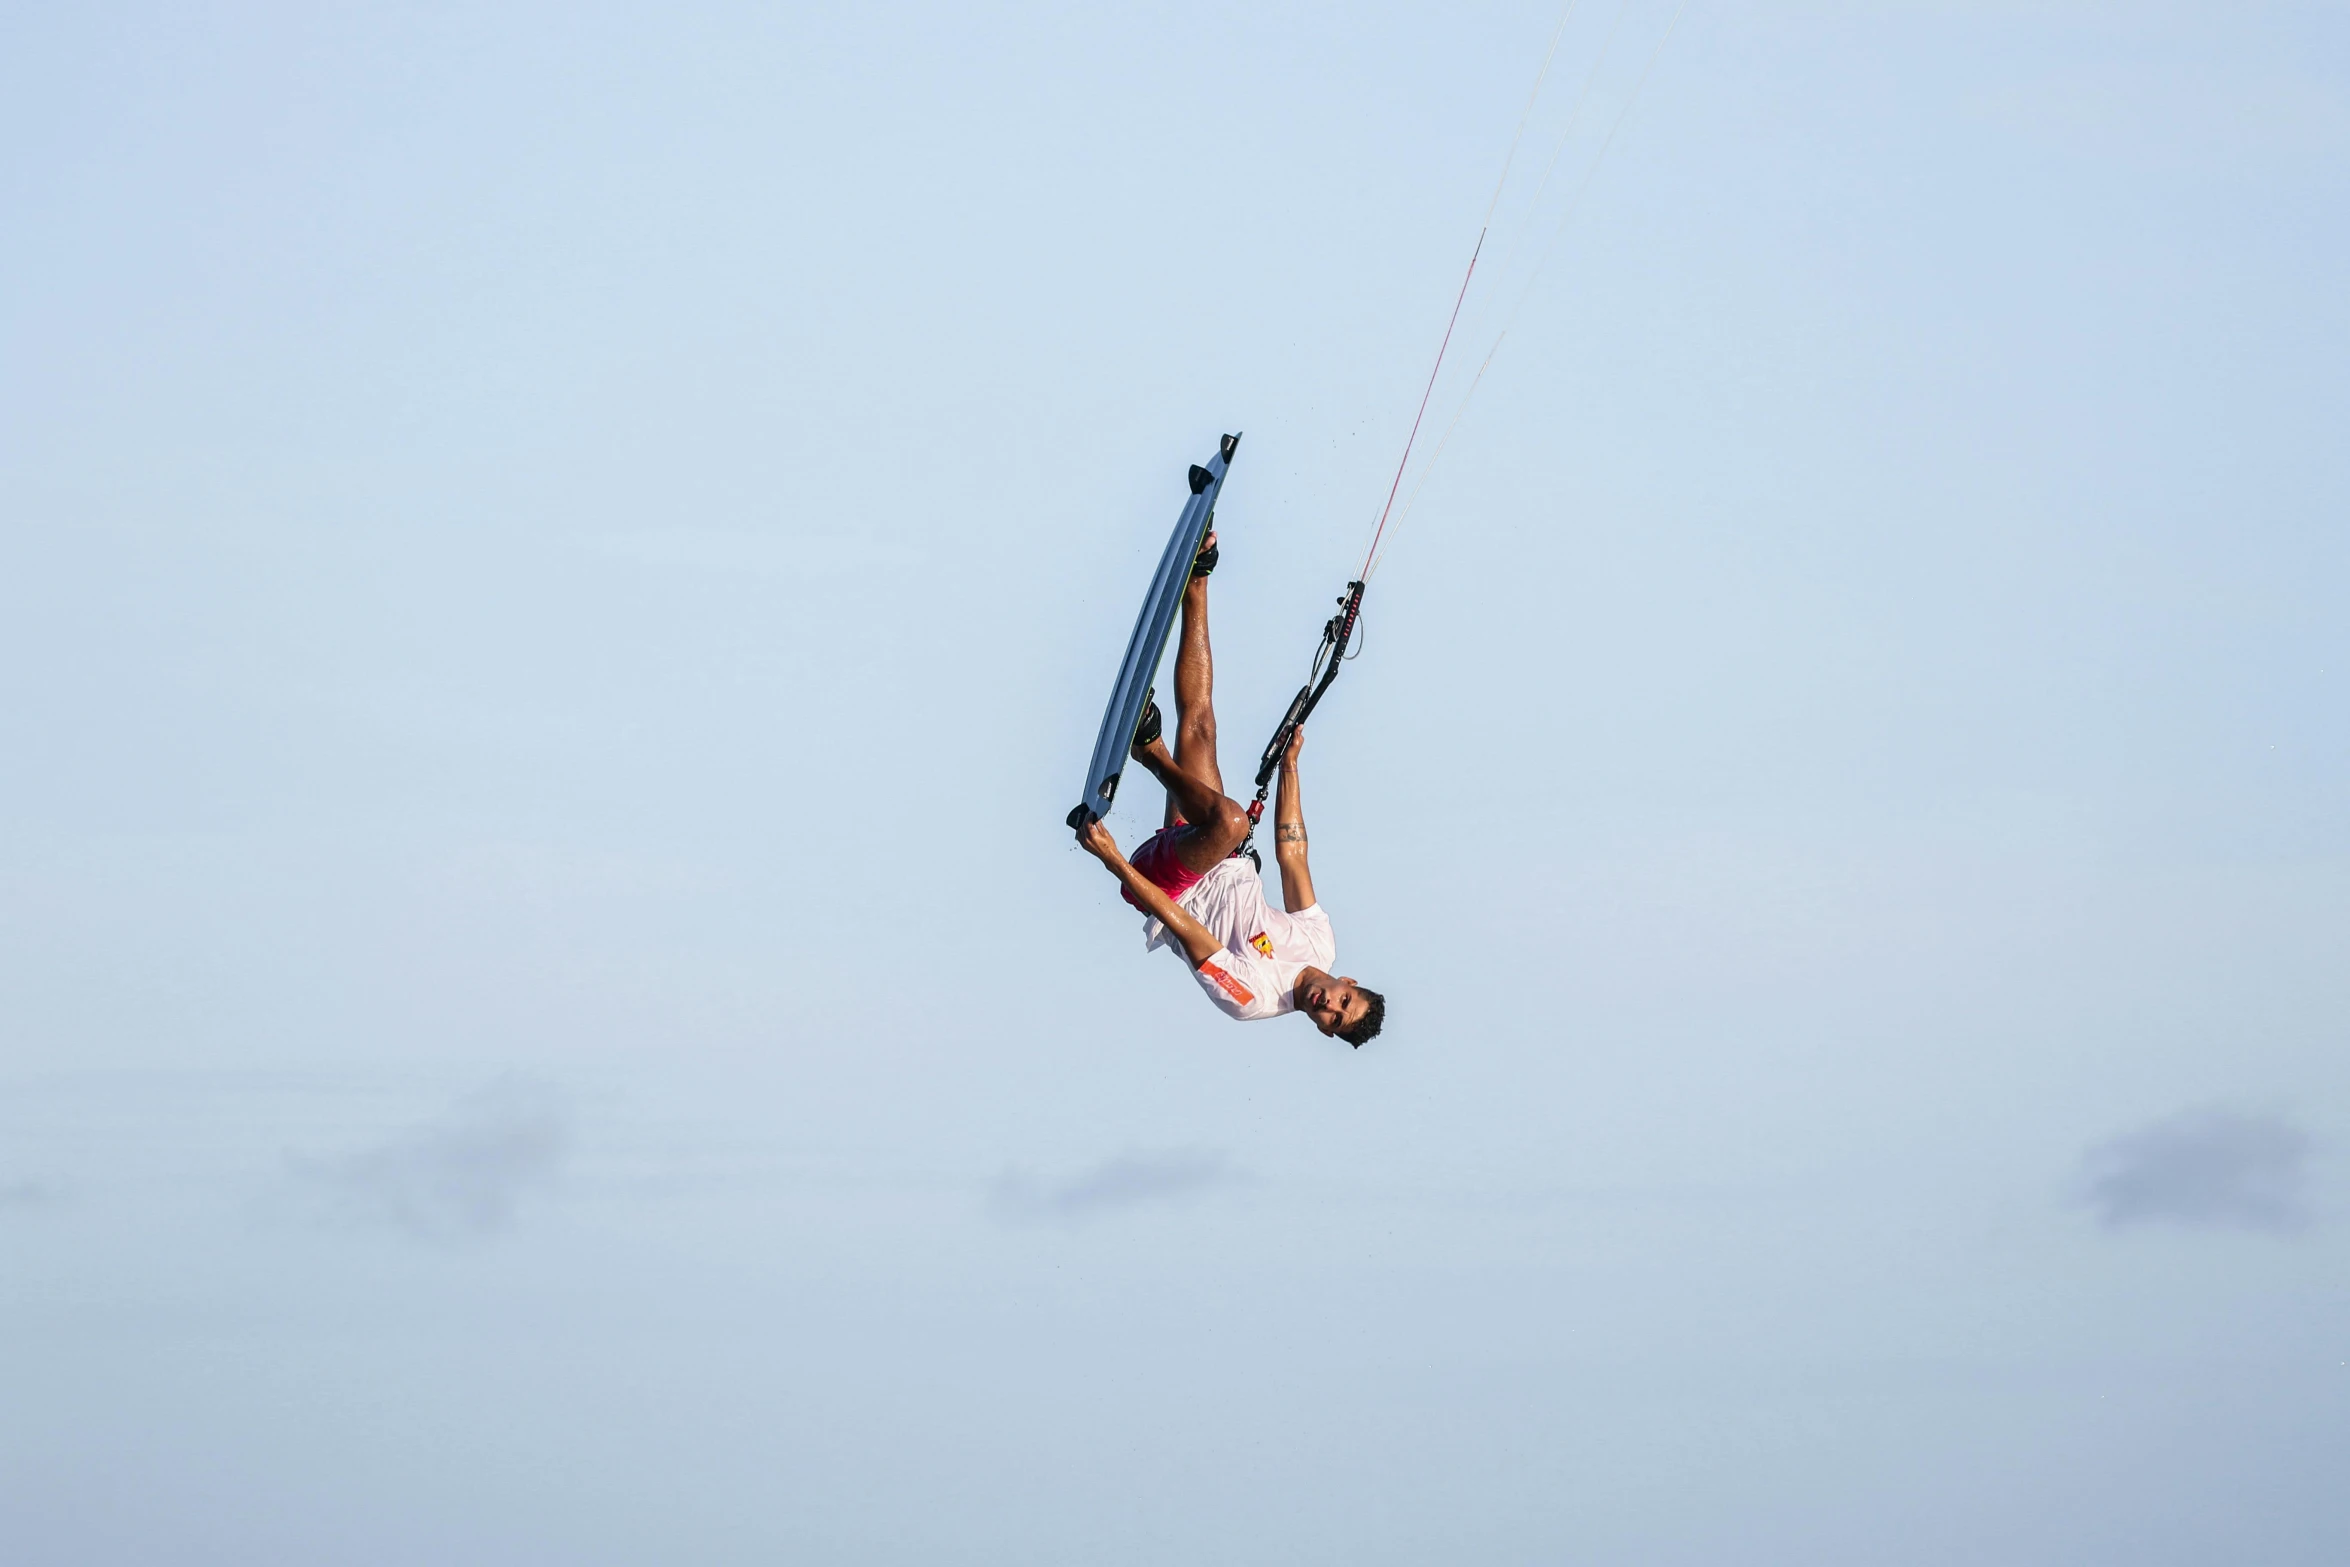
column 1198, row 944
column 1289, row 833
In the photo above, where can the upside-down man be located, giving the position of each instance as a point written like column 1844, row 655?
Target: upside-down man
column 1203, row 897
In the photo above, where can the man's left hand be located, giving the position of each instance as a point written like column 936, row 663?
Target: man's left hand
column 1096, row 839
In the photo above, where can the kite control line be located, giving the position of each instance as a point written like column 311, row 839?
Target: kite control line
column 1372, row 554
column 1337, row 634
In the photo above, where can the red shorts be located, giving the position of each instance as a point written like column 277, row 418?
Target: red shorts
column 1159, row 866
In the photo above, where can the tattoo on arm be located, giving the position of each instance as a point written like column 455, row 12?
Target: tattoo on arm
column 1291, row 832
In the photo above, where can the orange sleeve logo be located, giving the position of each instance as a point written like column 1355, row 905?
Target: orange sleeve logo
column 1227, row 984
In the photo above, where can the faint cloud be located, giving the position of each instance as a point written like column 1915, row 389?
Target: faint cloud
column 746, row 552
column 24, row 1196
column 1129, row 1180
column 456, row 1179
column 2217, row 1168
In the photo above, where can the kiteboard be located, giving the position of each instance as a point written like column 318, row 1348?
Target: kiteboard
column 1139, row 670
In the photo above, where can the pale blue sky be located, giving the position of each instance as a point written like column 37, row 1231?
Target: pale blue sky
column 558, row 568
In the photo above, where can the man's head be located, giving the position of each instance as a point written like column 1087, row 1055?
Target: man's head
column 1340, row 1007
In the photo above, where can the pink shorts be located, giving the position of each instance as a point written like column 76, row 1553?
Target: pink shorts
column 1159, row 866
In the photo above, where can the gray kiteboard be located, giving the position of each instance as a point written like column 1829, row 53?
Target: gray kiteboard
column 1138, row 671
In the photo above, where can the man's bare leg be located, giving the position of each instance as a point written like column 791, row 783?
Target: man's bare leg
column 1195, row 696
column 1194, row 781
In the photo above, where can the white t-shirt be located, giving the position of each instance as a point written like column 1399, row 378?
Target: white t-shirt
column 1265, row 949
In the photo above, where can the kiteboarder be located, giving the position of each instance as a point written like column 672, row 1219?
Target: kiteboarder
column 1203, row 896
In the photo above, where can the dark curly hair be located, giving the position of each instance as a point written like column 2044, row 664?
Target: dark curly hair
column 1373, row 1015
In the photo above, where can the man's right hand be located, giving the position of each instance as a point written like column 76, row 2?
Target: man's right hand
column 1289, row 831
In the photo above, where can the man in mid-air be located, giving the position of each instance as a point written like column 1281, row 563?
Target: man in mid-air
column 1203, row 897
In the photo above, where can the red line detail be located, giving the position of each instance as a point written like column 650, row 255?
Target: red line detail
column 1424, row 396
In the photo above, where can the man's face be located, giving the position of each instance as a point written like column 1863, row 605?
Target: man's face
column 1333, row 1004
